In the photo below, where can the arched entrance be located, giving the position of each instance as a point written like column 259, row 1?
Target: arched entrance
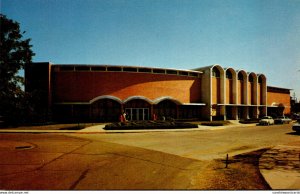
column 137, row 109
column 105, row 110
column 167, row 109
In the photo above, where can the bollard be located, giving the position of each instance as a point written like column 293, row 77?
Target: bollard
column 226, row 161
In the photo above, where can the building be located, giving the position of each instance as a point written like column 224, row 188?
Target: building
column 103, row 92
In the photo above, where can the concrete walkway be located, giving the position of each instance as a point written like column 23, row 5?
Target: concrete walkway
column 280, row 166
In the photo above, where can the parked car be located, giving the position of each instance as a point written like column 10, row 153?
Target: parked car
column 296, row 127
column 282, row 120
column 266, row 120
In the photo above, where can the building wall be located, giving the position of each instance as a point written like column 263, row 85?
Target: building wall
column 229, row 91
column 76, row 89
column 216, row 90
column 240, row 92
column 85, row 86
column 276, row 98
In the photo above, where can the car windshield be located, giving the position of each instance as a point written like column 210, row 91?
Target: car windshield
column 265, row 117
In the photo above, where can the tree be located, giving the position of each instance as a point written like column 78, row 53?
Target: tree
column 14, row 54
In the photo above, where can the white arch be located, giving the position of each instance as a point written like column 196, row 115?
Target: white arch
column 137, row 98
column 158, row 100
column 234, row 73
column 243, row 72
column 105, row 97
column 219, row 67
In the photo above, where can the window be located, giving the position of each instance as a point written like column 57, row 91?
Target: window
column 114, row 69
column 159, row 71
column 67, row 68
column 228, row 74
column 250, row 79
column 215, row 72
column 240, row 76
column 82, row 68
column 260, row 80
column 193, row 74
column 144, row 70
column 183, row 73
column 100, row 68
column 129, row 69
column 172, row 72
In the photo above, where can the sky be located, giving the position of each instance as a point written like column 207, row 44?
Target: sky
column 261, row 36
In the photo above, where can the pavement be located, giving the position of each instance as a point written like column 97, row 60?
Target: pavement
column 280, row 165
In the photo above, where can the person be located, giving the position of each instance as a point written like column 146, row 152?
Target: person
column 154, row 117
column 124, row 116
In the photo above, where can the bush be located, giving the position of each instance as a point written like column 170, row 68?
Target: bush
column 249, row 121
column 149, row 125
column 215, row 123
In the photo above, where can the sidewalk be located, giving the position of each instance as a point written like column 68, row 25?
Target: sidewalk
column 280, row 166
column 100, row 129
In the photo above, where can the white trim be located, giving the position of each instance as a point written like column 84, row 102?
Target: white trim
column 158, row 100
column 105, row 97
column 194, row 104
column 138, row 98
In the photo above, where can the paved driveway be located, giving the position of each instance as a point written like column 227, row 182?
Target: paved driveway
column 150, row 160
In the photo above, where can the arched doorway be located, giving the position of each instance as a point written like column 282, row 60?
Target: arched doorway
column 105, row 110
column 167, row 109
column 137, row 109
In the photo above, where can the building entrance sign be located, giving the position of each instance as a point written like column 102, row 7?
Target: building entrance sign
column 137, row 114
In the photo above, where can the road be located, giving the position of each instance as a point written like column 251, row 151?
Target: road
column 205, row 144
column 147, row 160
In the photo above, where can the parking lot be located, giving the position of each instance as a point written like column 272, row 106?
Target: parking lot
column 142, row 160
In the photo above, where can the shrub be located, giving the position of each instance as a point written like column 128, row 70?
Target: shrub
column 149, row 125
column 215, row 123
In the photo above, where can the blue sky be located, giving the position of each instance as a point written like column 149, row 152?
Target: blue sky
column 262, row 36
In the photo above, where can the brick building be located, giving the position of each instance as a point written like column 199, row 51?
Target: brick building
column 103, row 92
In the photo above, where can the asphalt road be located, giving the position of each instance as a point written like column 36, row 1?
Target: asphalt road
column 150, row 160
column 204, row 144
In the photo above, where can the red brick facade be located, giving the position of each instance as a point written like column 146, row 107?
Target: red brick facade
column 103, row 92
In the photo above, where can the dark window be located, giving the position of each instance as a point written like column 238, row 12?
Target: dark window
column 215, row 72
column 260, row 79
column 173, row 72
column 67, row 68
column 129, row 69
column 100, row 68
column 250, row 79
column 114, row 69
column 145, row 70
column 183, row 73
column 228, row 74
column 159, row 71
column 240, row 76
column 82, row 68
column 193, row 74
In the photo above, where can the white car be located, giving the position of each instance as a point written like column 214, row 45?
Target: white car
column 296, row 127
column 266, row 120
column 282, row 120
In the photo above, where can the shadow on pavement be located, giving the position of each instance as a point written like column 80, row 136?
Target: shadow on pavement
column 293, row 133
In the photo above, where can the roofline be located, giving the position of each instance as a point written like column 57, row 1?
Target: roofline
column 128, row 66
column 275, row 87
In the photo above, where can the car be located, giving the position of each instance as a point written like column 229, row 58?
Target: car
column 296, row 127
column 282, row 120
column 266, row 120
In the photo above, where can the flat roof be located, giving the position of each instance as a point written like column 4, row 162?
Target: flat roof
column 129, row 66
